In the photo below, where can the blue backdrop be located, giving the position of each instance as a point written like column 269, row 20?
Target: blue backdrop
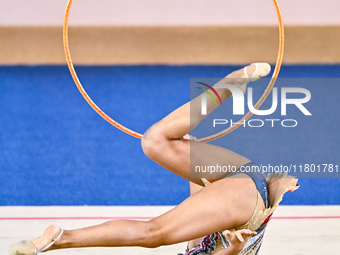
column 55, row 150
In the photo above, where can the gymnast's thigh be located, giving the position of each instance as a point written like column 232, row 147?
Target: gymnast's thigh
column 224, row 204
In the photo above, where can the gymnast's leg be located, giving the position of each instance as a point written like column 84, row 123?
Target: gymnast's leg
column 194, row 188
column 233, row 199
column 163, row 141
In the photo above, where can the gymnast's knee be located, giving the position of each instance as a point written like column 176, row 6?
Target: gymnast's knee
column 155, row 236
column 152, row 141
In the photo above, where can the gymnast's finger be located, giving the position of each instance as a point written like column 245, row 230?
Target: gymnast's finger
column 239, row 236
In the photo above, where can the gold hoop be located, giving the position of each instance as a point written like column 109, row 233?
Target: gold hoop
column 138, row 135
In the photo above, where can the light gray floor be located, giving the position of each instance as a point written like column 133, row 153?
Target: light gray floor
column 283, row 236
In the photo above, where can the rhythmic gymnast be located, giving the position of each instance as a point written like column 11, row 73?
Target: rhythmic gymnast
column 239, row 205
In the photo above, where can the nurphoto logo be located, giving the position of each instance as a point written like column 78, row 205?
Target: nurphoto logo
column 238, row 104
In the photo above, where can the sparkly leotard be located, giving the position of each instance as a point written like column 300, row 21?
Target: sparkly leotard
column 270, row 192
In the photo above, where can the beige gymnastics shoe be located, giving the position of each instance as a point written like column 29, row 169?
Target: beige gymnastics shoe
column 250, row 73
column 261, row 70
column 27, row 247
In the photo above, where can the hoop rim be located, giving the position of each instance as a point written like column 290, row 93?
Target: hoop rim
column 138, row 135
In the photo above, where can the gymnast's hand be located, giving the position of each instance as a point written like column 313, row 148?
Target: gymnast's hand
column 237, row 239
column 189, row 137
